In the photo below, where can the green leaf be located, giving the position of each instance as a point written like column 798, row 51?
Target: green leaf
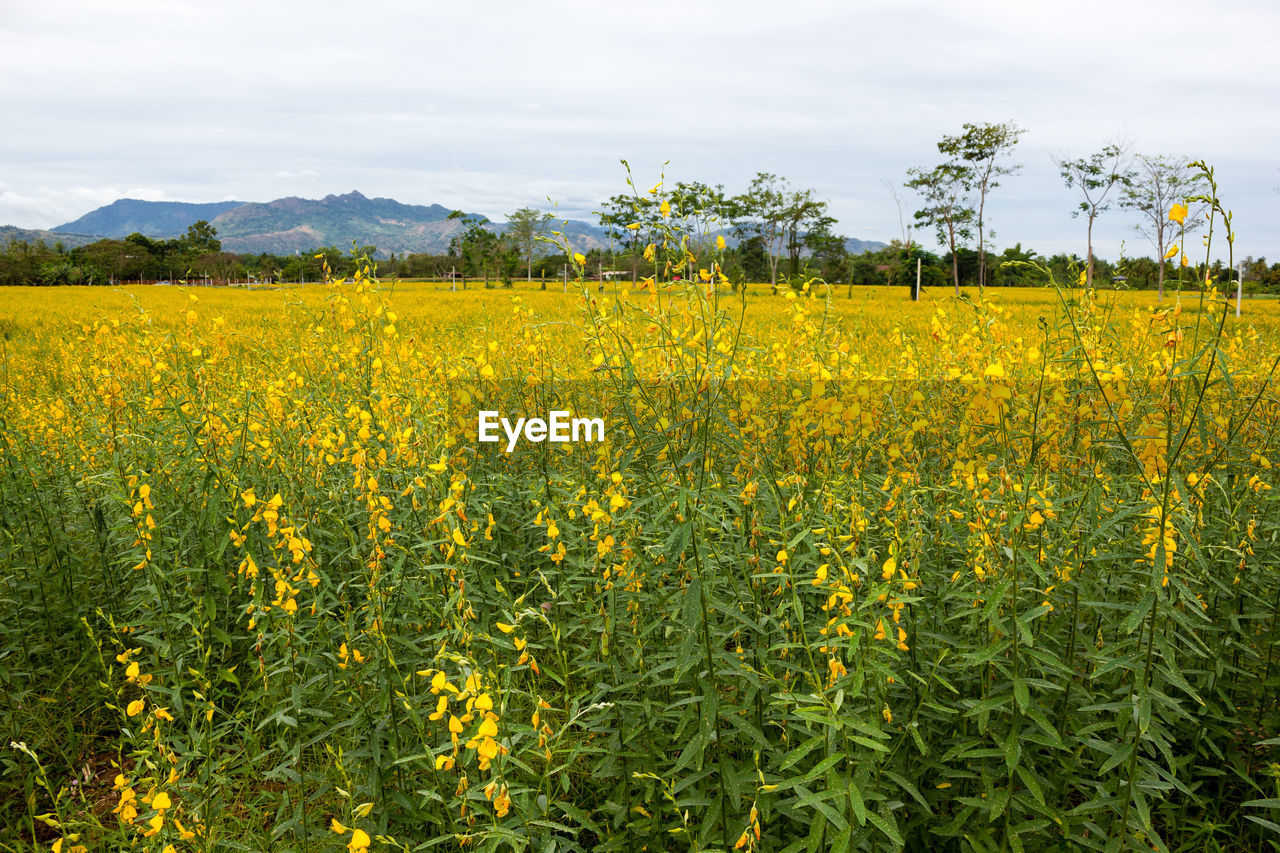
column 888, row 826
column 855, row 800
column 1020, row 693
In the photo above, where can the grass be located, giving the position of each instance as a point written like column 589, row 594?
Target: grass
column 967, row 574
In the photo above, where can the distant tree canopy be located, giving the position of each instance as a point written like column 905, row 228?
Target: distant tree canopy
column 772, row 233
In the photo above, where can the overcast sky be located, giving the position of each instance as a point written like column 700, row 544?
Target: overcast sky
column 496, row 105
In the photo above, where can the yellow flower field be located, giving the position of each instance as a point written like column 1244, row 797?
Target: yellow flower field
column 846, row 571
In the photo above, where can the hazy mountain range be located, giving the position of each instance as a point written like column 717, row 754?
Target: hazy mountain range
column 292, row 224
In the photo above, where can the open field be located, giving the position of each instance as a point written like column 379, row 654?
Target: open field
column 847, row 572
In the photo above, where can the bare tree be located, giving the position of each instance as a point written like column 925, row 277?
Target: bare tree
column 1159, row 183
column 897, row 200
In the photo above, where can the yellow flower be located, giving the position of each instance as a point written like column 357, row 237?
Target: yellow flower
column 136, row 707
column 1178, row 213
column 1173, row 250
column 579, row 258
column 664, row 208
column 161, row 802
column 502, row 802
column 720, row 242
column 359, row 841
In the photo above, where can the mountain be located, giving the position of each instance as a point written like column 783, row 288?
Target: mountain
column 152, row 218
column 289, row 225
column 294, row 224
column 854, row 246
column 12, row 234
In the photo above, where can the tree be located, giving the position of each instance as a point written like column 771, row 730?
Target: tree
column 754, row 260
column 945, row 190
column 984, row 148
column 828, row 252
column 475, row 246
column 803, row 214
column 201, row 239
column 1094, row 177
column 1015, row 268
column 695, row 207
column 1158, row 184
column 630, row 219
column 863, row 272
column 761, row 211
column 780, row 217
column 524, row 227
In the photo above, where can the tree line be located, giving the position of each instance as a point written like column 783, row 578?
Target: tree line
column 778, row 233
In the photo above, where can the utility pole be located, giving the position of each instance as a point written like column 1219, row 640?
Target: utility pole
column 1239, row 288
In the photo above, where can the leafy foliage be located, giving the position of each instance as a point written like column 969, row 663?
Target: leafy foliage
column 963, row 580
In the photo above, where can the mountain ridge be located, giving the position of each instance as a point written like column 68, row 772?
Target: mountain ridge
column 293, row 224
column 159, row 219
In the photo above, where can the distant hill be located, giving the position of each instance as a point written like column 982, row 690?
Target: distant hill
column 294, row 224
column 289, row 225
column 152, row 218
column 299, row 225
column 12, row 234
column 857, row 247
column 852, row 245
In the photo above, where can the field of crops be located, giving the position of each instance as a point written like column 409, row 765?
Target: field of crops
column 847, row 572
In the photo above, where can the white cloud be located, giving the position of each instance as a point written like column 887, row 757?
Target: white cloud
column 46, row 207
column 832, row 95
